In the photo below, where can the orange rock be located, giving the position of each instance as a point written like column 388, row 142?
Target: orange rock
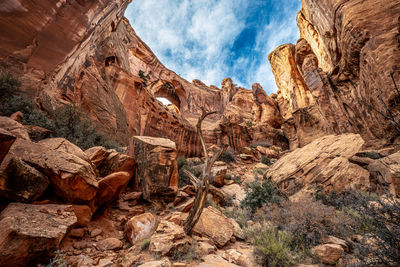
column 140, row 227
column 6, row 141
column 328, row 253
column 110, row 187
column 18, row 117
column 83, row 214
column 14, row 128
column 157, row 168
column 26, row 228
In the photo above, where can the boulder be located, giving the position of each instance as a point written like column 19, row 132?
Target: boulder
column 237, row 257
column 168, row 239
column 14, row 127
column 157, row 169
column 328, row 253
column 218, row 171
column 108, row 161
column 269, row 152
column 63, row 145
column 19, row 181
column 30, row 234
column 72, row 178
column 110, row 187
column 140, row 227
column 337, row 241
column 213, row 224
column 6, row 141
column 324, row 162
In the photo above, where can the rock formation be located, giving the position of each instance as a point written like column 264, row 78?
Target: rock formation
column 337, row 78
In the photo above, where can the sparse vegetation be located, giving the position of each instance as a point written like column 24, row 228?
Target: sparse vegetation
column 260, row 143
column 184, row 165
column 228, row 156
column 266, row 160
column 145, row 77
column 376, row 219
column 57, row 261
column 258, row 171
column 249, row 123
column 272, row 244
column 66, row 121
column 144, row 244
column 261, row 193
column 186, row 253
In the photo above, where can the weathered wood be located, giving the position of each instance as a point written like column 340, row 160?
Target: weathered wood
column 203, row 182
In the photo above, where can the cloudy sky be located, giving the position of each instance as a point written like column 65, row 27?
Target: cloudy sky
column 210, row 40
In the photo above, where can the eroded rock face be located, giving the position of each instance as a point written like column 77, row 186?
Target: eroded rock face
column 157, row 168
column 338, row 70
column 30, row 234
column 322, row 163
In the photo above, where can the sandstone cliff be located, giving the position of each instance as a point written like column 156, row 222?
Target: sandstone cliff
column 88, row 54
column 333, row 79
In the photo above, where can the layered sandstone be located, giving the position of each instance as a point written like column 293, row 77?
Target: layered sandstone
column 337, row 79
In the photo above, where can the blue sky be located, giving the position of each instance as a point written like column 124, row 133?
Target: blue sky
column 210, row 40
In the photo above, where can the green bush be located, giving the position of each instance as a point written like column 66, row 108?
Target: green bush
column 8, row 85
column 259, row 194
column 181, row 161
column 186, row 253
column 228, row 156
column 266, row 160
column 273, row 245
column 249, row 123
column 183, row 177
column 144, row 245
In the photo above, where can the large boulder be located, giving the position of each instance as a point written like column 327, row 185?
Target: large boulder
column 140, row 227
column 168, row 239
column 157, row 168
column 322, row 163
column 6, row 140
column 30, row 234
column 111, row 187
column 14, row 127
column 213, row 224
column 63, row 145
column 328, row 253
column 20, row 181
column 72, row 178
column 108, row 161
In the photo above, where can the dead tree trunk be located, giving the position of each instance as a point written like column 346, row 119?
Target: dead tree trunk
column 202, row 183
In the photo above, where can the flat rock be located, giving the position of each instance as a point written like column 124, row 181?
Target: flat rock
column 30, row 234
column 168, row 239
column 14, row 127
column 213, row 260
column 328, row 253
column 110, row 243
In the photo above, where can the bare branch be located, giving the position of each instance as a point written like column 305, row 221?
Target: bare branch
column 199, row 132
column 192, row 177
column 216, row 157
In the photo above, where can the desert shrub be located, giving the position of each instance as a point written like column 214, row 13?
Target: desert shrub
column 228, row 156
column 184, row 165
column 8, row 85
column 187, row 252
column 228, row 176
column 57, row 261
column 239, row 214
column 249, row 123
column 144, row 244
column 70, row 123
column 260, row 143
column 258, row 171
column 272, row 244
column 237, row 179
column 377, row 218
column 261, row 193
column 266, row 160
column 309, row 221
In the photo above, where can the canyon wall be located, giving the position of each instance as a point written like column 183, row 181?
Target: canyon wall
column 86, row 53
column 340, row 76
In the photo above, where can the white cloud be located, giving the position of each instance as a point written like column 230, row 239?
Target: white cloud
column 194, row 38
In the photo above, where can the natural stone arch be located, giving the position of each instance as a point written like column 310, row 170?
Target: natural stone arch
column 173, row 91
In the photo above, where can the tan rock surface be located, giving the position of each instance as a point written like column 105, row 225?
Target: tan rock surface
column 328, row 253
column 324, row 162
column 213, row 224
column 30, row 234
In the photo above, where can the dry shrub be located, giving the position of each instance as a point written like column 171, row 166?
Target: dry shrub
column 309, row 221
